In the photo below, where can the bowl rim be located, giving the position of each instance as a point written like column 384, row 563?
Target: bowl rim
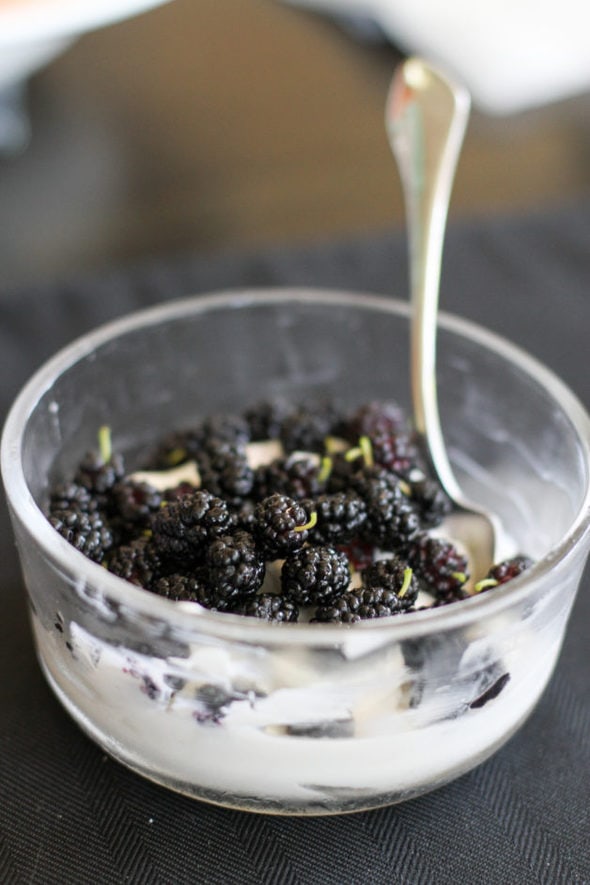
column 189, row 616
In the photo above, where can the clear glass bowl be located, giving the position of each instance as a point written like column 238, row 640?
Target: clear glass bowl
column 299, row 718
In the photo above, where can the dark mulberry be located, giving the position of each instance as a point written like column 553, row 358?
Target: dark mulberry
column 243, row 515
column 360, row 604
column 509, row 569
column 392, row 521
column 265, row 419
column 296, row 477
column 340, row 517
column 281, row 525
column 394, row 451
column 97, row 475
column 360, row 554
column 179, row 491
column 225, row 427
column 87, row 532
column 190, row 588
column 306, row 428
column 184, row 528
column 442, row 568
column 430, row 500
column 176, row 448
column 225, row 471
column 136, row 502
column 137, row 562
column 315, row 575
column 72, row 496
column 343, row 471
column 269, row 607
column 342, row 610
column 374, row 419
column 395, row 576
column 235, row 567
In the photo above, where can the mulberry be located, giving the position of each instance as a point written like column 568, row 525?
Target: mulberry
column 281, row 525
column 235, row 567
column 269, row 607
column 442, row 568
column 184, row 528
column 315, row 575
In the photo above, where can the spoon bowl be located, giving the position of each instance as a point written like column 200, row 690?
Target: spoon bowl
column 426, row 118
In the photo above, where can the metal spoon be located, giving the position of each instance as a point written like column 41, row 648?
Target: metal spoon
column 426, row 117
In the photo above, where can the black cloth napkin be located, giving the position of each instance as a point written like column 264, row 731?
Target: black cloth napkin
column 69, row 814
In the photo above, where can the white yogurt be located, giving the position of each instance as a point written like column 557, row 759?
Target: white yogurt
column 286, row 736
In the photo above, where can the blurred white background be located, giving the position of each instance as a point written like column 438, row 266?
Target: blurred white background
column 211, row 126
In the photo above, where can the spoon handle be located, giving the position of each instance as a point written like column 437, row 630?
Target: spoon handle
column 426, row 117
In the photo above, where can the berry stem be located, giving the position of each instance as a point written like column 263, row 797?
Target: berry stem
column 408, row 573
column 325, row 468
column 405, row 488
column 104, row 443
column 353, row 454
column 308, row 525
column 176, row 456
column 485, row 584
column 366, row 448
column 333, row 445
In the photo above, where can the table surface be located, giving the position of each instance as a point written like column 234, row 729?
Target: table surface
column 69, row 814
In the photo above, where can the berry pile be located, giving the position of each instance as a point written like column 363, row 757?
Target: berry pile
column 284, row 513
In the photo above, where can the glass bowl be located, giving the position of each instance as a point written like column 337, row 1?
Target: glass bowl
column 299, row 718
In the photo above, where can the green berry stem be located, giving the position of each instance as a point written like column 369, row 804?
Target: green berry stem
column 104, row 443
column 353, row 454
column 176, row 456
column 308, row 525
column 485, row 584
column 332, row 445
column 366, row 448
column 325, row 468
column 408, row 573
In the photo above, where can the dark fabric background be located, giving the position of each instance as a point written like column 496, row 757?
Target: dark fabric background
column 68, row 814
